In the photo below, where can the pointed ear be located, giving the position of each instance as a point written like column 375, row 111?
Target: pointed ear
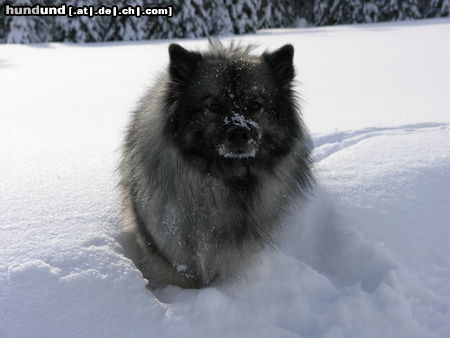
column 183, row 63
column 280, row 62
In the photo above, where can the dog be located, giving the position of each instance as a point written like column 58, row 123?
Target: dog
column 215, row 154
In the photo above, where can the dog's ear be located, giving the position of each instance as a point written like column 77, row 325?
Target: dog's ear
column 183, row 63
column 281, row 63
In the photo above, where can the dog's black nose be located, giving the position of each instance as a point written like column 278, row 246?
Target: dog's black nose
column 238, row 136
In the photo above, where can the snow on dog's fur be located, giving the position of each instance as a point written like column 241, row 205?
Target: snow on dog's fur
column 215, row 154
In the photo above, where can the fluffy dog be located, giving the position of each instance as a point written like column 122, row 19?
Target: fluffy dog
column 214, row 155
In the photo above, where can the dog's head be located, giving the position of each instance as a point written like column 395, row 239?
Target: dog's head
column 228, row 105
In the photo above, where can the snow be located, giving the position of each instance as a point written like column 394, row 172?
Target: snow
column 223, row 151
column 240, row 121
column 367, row 256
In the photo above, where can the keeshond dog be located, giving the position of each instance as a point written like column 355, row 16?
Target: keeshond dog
column 215, row 154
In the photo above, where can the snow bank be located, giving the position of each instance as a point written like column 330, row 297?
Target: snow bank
column 368, row 255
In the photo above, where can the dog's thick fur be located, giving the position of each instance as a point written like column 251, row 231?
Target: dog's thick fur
column 200, row 203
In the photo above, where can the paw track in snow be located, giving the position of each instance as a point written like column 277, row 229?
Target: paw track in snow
column 327, row 145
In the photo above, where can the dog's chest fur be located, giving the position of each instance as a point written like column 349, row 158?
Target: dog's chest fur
column 206, row 226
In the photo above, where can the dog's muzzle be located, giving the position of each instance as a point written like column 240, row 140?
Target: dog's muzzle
column 241, row 138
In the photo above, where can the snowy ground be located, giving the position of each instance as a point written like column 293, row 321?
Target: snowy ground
column 368, row 257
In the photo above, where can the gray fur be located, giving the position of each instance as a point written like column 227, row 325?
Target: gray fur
column 186, row 222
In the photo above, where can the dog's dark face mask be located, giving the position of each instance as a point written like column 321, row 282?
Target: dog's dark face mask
column 234, row 109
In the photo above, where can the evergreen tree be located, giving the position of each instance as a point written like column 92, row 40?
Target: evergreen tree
column 199, row 18
column 23, row 29
column 273, row 14
column 190, row 20
column 331, row 12
column 394, row 10
column 4, row 23
column 435, row 8
column 410, row 10
column 244, row 15
column 127, row 28
column 219, row 20
column 304, row 9
column 371, row 12
column 83, row 28
column 56, row 25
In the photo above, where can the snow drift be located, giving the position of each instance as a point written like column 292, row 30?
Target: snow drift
column 367, row 256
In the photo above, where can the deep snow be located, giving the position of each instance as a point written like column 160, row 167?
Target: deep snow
column 368, row 256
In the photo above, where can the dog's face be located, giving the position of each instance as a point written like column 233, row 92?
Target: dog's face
column 232, row 107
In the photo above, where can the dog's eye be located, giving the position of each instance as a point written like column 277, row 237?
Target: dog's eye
column 254, row 106
column 214, row 106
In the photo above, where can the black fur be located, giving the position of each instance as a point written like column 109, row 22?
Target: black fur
column 215, row 154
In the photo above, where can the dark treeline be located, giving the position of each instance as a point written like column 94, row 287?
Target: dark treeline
column 198, row 18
